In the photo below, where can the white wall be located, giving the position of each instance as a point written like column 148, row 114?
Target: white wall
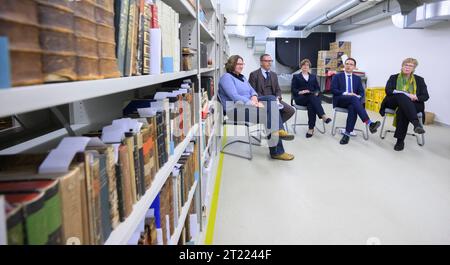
column 380, row 47
column 239, row 46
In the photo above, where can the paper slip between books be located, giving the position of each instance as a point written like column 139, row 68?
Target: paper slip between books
column 77, row 144
column 112, row 134
column 59, row 159
column 128, row 124
column 147, row 112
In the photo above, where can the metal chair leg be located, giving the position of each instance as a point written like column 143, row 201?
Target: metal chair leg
column 249, row 142
column 295, row 123
column 366, row 135
column 382, row 128
column 324, row 130
column 333, row 128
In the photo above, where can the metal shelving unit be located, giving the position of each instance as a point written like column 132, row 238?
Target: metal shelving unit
column 94, row 103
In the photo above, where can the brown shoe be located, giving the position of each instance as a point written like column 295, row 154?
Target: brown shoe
column 284, row 156
column 284, row 135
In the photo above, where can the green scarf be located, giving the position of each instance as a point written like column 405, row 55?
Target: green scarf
column 407, row 85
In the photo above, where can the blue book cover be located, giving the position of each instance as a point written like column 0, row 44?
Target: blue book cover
column 156, row 206
column 167, row 64
column 5, row 66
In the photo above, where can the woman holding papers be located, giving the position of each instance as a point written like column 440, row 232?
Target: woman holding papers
column 241, row 103
column 406, row 93
column 305, row 91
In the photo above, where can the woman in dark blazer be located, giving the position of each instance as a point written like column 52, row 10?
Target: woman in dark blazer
column 305, row 92
column 407, row 93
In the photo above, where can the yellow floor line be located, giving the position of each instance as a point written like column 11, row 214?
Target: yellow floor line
column 215, row 197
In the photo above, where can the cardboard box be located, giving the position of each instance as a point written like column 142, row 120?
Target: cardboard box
column 327, row 63
column 341, row 45
column 326, row 54
column 429, row 118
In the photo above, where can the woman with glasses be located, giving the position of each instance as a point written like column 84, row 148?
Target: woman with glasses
column 305, row 92
column 234, row 88
column 406, row 93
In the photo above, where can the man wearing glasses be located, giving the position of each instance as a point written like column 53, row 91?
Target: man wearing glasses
column 265, row 83
column 348, row 92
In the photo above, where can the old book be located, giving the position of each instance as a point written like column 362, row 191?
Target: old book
column 129, row 142
column 32, row 204
column 130, row 61
column 125, row 180
column 112, row 184
column 121, row 25
column 19, row 23
column 105, row 207
column 24, row 167
column 137, row 163
column 147, row 148
column 15, row 224
column 58, row 43
column 140, row 147
column 52, row 203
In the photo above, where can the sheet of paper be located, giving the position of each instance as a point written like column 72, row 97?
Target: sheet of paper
column 57, row 161
column 78, row 144
column 112, row 134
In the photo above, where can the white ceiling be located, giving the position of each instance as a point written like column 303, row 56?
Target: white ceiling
column 275, row 12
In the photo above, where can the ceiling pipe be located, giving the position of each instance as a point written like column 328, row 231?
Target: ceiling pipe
column 333, row 13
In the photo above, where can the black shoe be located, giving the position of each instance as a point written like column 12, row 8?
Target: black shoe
column 309, row 135
column 419, row 130
column 345, row 139
column 374, row 126
column 399, row 146
column 328, row 120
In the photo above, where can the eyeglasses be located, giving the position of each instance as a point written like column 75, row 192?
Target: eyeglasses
column 240, row 63
column 409, row 65
column 268, row 61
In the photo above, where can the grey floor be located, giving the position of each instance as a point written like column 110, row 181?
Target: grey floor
column 362, row 193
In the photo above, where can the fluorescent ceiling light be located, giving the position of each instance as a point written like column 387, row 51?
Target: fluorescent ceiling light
column 300, row 12
column 243, row 6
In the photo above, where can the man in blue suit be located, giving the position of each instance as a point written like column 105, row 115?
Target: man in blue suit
column 348, row 92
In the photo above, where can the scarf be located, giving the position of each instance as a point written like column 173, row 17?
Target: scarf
column 407, row 85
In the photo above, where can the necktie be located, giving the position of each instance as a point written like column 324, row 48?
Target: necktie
column 268, row 75
column 349, row 84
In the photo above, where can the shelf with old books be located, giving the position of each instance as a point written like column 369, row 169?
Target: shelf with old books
column 123, row 233
column 172, row 217
column 88, row 185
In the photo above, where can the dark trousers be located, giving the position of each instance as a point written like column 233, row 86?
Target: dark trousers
column 286, row 112
column 355, row 109
column 406, row 112
column 314, row 106
column 264, row 116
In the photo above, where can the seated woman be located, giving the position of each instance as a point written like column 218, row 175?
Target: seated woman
column 405, row 92
column 234, row 87
column 305, row 90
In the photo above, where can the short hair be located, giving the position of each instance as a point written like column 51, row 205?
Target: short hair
column 305, row 61
column 350, row 59
column 410, row 60
column 231, row 63
column 262, row 56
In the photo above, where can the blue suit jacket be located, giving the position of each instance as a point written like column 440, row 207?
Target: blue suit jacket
column 338, row 86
